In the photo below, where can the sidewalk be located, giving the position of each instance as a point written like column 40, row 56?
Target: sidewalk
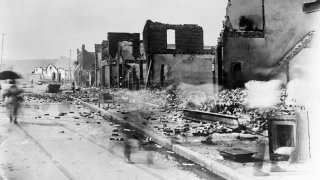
column 194, row 150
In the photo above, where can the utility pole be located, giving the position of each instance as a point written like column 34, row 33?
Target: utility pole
column 95, row 65
column 3, row 34
column 70, row 65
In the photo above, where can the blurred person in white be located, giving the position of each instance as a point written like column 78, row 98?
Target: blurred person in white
column 12, row 98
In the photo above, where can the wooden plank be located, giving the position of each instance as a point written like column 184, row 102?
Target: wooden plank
column 236, row 154
column 229, row 121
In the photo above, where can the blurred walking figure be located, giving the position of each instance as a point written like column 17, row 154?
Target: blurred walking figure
column 12, row 95
column 127, row 150
column 12, row 98
column 258, row 165
column 260, row 148
column 73, row 87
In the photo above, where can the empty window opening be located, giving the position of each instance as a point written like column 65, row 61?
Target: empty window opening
column 285, row 136
column 171, row 39
column 236, row 69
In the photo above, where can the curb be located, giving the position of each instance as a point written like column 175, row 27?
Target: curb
column 213, row 166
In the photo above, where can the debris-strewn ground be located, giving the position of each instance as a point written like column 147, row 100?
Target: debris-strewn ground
column 160, row 111
column 172, row 100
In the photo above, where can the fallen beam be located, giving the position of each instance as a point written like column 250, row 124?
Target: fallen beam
column 202, row 116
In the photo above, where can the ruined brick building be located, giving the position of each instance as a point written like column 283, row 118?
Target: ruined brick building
column 97, row 66
column 121, row 60
column 303, row 60
column 84, row 72
column 175, row 53
column 259, row 40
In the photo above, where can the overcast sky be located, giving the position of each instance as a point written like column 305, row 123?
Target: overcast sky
column 49, row 28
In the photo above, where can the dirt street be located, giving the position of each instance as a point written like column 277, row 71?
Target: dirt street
column 52, row 141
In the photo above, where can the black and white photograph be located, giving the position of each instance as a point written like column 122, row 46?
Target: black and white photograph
column 159, row 89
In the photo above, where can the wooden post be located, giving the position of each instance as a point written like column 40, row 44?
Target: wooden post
column 148, row 73
column 99, row 100
column 288, row 72
column 113, row 99
column 140, row 73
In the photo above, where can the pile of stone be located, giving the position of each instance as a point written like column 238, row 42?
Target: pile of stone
column 59, row 97
column 230, row 102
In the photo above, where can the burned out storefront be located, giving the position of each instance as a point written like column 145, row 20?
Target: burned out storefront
column 175, row 53
column 122, row 61
column 257, row 37
column 104, row 69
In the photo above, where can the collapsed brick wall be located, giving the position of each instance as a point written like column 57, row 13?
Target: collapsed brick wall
column 188, row 38
column 115, row 38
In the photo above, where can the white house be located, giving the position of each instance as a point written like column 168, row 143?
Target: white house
column 52, row 73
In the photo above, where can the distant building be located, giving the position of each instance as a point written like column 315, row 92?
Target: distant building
column 54, row 71
column 51, row 73
column 175, row 53
column 36, row 69
column 85, row 71
column 259, row 39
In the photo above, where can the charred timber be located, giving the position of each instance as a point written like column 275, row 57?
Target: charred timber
column 209, row 117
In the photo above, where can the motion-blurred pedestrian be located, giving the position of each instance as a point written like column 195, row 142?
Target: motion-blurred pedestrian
column 260, row 148
column 12, row 98
column 73, row 87
column 127, row 150
column 258, row 165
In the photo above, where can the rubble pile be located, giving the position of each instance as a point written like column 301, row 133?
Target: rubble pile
column 58, row 97
column 186, row 99
column 86, row 94
column 229, row 102
column 154, row 96
column 89, row 94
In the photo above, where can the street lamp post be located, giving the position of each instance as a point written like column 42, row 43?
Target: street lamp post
column 3, row 34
